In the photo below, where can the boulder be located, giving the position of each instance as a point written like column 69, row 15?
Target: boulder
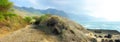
column 117, row 40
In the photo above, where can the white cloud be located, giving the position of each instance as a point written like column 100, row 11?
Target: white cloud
column 61, row 2
column 34, row 2
column 108, row 9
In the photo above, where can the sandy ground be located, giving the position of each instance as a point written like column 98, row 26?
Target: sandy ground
column 29, row 34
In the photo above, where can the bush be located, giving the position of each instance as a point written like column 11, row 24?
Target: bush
column 44, row 18
column 10, row 15
column 5, row 5
column 41, row 19
column 28, row 19
column 9, row 20
column 2, row 17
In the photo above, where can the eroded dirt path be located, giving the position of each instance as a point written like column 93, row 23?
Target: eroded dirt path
column 29, row 34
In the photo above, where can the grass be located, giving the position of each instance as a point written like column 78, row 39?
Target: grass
column 10, row 22
column 44, row 18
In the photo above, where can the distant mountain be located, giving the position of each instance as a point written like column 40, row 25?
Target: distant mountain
column 32, row 11
column 54, row 12
column 84, row 18
column 74, row 17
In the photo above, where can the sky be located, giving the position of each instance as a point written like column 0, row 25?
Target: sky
column 105, row 9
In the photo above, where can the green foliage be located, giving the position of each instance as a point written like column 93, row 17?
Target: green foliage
column 10, row 15
column 5, row 5
column 8, row 20
column 28, row 19
column 35, row 17
column 1, row 17
column 43, row 18
column 7, row 16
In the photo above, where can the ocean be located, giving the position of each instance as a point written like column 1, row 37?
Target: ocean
column 101, row 25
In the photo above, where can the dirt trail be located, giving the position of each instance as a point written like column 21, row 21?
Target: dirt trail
column 29, row 34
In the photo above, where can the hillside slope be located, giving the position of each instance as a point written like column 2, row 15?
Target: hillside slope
column 28, row 34
column 9, row 21
column 50, row 29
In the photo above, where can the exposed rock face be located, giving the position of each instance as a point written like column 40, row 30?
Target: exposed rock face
column 106, row 35
column 65, row 30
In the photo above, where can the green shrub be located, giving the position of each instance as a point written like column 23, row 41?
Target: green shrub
column 44, row 17
column 8, row 20
column 10, row 15
column 28, row 19
column 2, row 17
column 5, row 5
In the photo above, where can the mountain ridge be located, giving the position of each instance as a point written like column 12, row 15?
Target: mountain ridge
column 75, row 17
column 41, row 12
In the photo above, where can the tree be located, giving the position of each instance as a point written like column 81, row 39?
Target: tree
column 5, row 5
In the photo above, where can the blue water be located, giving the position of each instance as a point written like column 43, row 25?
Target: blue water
column 102, row 25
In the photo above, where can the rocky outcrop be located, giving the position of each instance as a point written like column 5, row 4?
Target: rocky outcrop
column 65, row 30
column 51, row 29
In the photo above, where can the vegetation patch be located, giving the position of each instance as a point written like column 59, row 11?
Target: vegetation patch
column 8, row 20
column 42, row 19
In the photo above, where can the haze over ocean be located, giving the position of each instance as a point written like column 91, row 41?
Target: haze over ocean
column 102, row 25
